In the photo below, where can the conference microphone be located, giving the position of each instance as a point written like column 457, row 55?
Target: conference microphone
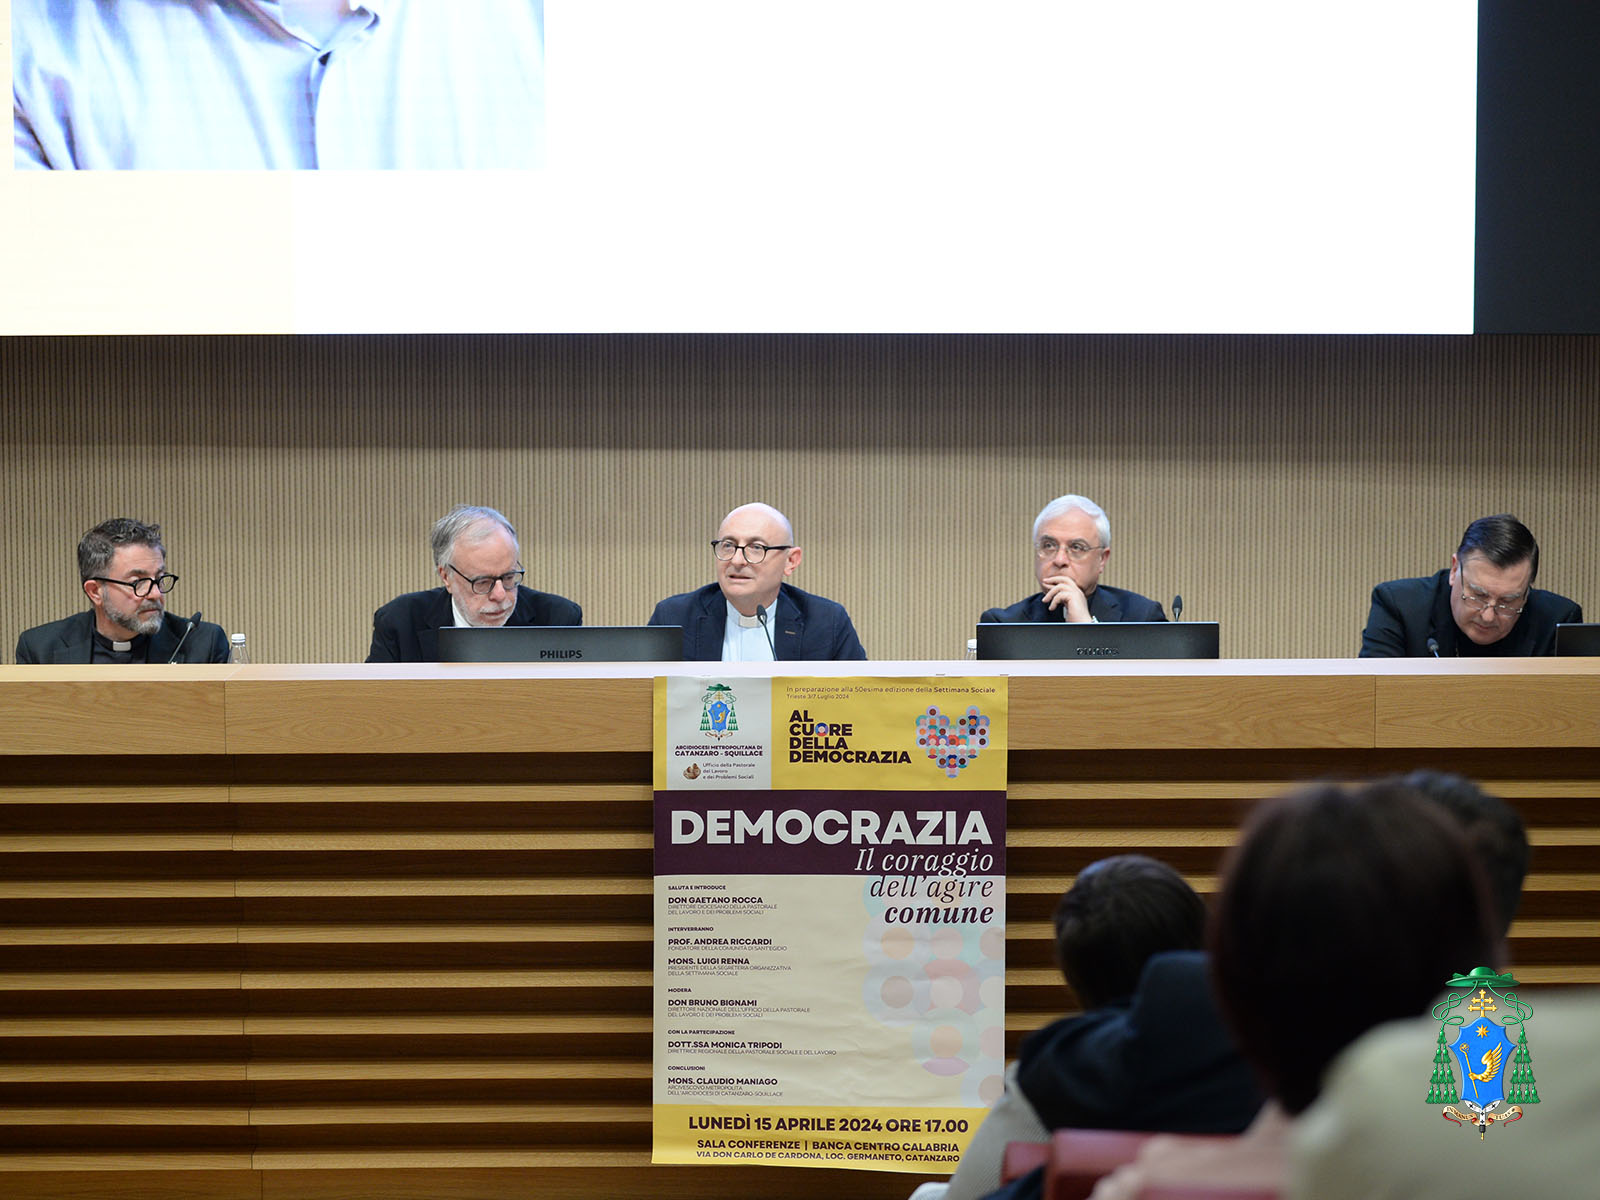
column 1177, row 608
column 193, row 621
column 1433, row 646
column 761, row 615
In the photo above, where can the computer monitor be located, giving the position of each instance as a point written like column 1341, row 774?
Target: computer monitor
column 561, row 643
column 1578, row 641
column 1089, row 640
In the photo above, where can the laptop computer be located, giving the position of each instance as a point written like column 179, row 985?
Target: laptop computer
column 561, row 643
column 1578, row 641
column 1098, row 640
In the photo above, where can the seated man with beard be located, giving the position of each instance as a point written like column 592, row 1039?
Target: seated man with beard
column 123, row 567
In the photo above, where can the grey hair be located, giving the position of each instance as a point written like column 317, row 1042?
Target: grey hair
column 97, row 547
column 459, row 522
column 1065, row 504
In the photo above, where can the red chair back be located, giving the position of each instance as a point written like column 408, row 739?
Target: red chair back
column 1022, row 1157
column 1079, row 1157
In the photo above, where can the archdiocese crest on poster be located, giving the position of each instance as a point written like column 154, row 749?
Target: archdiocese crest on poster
column 829, row 919
column 1495, row 1074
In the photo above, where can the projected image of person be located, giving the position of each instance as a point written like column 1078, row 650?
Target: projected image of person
column 277, row 84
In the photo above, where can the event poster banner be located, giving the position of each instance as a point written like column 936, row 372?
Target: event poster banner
column 829, row 919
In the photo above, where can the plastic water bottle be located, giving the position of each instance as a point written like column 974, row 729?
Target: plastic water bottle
column 241, row 653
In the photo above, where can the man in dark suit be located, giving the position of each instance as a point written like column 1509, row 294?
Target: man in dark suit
column 476, row 553
column 1484, row 604
column 1072, row 544
column 123, row 566
column 750, row 614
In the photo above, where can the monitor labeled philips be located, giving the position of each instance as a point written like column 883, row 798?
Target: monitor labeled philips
column 561, row 643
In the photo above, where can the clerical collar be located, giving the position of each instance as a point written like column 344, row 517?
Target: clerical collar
column 747, row 622
column 105, row 650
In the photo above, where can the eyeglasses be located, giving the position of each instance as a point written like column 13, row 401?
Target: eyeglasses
column 1076, row 551
column 1478, row 601
column 482, row 585
column 141, row 587
column 753, row 553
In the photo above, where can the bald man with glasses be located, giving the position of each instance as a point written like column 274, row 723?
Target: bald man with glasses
column 750, row 614
column 123, row 568
column 479, row 562
column 1484, row 604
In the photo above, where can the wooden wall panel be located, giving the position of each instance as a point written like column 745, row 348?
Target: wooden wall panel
column 1270, row 480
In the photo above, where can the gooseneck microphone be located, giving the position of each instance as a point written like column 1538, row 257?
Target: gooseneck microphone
column 193, row 621
column 1433, row 646
column 1177, row 608
column 761, row 615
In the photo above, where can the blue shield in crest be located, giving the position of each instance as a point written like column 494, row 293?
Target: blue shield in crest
column 1483, row 1052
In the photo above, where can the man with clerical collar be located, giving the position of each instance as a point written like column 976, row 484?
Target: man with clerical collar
column 1071, row 546
column 479, row 561
column 1483, row 604
column 123, row 566
column 750, row 614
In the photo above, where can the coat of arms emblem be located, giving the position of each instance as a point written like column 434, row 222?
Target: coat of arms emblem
column 1496, row 1074
column 717, row 716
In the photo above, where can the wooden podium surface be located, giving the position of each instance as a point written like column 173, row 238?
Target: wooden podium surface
column 345, row 931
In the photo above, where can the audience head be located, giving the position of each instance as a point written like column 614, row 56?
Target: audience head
column 476, row 554
column 1341, row 908
column 1494, row 833
column 1071, row 536
column 1491, row 573
column 755, row 552
column 122, row 565
column 1118, row 912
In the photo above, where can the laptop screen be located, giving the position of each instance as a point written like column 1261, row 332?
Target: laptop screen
column 1578, row 641
column 561, row 643
column 1098, row 640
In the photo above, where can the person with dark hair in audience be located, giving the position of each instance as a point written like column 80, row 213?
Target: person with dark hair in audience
column 1484, row 604
column 1494, row 832
column 1071, row 547
column 1341, row 908
column 1148, row 1052
column 1359, row 1140
column 123, row 568
column 479, row 562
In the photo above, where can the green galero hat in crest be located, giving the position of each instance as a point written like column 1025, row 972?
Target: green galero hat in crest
column 1496, row 1076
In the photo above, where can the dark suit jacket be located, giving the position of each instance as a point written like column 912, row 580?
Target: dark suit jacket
column 407, row 628
column 803, row 626
column 1407, row 612
column 1105, row 604
column 70, row 640
column 1161, row 1060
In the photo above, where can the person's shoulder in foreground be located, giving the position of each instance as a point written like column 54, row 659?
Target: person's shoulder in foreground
column 749, row 613
column 1071, row 547
column 479, row 563
column 1483, row 604
column 1373, row 1136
